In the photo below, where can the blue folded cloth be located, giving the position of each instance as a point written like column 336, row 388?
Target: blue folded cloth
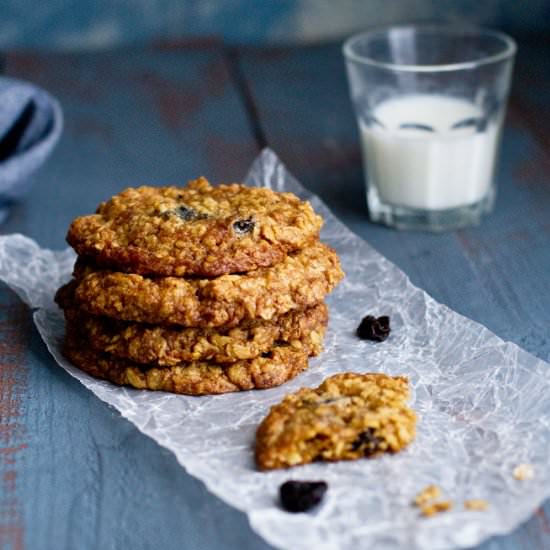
column 31, row 122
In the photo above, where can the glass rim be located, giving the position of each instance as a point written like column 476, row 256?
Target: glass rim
column 508, row 50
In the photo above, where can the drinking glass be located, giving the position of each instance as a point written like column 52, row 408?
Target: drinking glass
column 430, row 101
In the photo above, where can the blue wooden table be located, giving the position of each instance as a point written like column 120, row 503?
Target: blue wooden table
column 73, row 473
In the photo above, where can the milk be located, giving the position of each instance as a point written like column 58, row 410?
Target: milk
column 433, row 170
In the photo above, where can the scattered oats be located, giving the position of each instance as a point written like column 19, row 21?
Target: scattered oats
column 524, row 472
column 430, row 492
column 477, row 504
column 434, row 508
column 425, row 501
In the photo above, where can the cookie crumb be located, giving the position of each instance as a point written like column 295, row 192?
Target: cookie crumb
column 425, row 501
column 523, row 472
column 430, row 492
column 434, row 508
column 477, row 504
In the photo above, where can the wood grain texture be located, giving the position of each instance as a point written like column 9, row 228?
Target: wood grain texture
column 132, row 117
column 497, row 273
column 86, row 478
column 494, row 273
column 78, row 24
column 14, row 329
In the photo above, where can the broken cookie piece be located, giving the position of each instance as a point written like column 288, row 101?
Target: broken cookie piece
column 349, row 416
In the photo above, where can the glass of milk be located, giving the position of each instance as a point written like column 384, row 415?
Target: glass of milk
column 430, row 102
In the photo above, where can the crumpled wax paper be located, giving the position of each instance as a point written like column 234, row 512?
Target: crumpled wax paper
column 484, row 407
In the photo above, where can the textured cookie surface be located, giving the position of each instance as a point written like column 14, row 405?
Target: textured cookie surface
column 302, row 280
column 194, row 230
column 348, row 416
column 168, row 346
column 193, row 378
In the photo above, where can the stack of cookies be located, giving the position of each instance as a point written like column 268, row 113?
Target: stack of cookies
column 198, row 289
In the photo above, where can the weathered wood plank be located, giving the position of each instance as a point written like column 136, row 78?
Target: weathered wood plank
column 132, row 117
column 496, row 273
column 309, row 121
column 14, row 337
column 87, row 478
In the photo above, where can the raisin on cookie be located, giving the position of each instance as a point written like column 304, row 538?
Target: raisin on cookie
column 194, row 230
column 349, row 416
column 301, row 280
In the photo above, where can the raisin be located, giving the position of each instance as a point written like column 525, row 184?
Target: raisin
column 300, row 496
column 366, row 441
column 185, row 213
column 243, row 226
column 329, row 400
column 374, row 328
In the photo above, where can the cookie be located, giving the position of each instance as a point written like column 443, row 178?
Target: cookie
column 302, row 280
column 348, row 416
column 169, row 346
column 194, row 378
column 194, row 230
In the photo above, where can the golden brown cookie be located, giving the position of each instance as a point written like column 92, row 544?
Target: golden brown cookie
column 302, row 280
column 194, row 230
column 169, row 345
column 348, row 416
column 195, row 378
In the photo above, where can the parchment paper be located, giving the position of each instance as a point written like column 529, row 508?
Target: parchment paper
column 484, row 407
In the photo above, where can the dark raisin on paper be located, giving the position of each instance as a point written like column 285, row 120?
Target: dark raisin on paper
column 374, row 328
column 300, row 496
column 243, row 226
